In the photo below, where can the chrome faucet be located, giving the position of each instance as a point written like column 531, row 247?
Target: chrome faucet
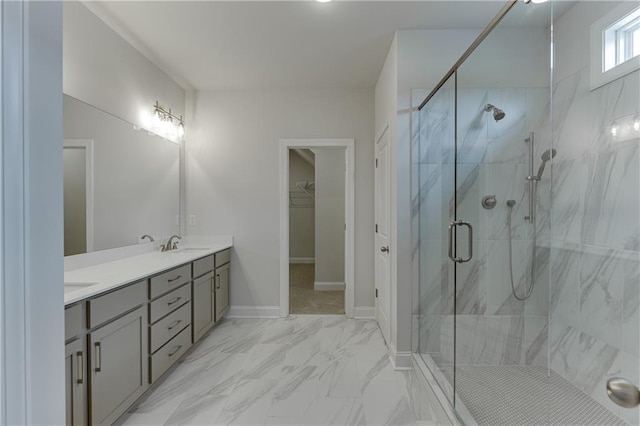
column 147, row 236
column 170, row 245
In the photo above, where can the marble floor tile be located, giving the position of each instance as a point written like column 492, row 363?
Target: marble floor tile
column 302, row 370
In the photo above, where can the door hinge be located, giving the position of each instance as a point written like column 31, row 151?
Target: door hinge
column 345, row 226
column 376, row 163
column 376, row 228
column 376, row 293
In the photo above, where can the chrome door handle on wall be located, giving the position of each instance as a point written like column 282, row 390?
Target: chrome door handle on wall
column 623, row 392
column 451, row 228
column 384, row 249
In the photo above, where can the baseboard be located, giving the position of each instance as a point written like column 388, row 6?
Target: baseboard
column 401, row 360
column 239, row 311
column 328, row 286
column 364, row 312
column 302, row 260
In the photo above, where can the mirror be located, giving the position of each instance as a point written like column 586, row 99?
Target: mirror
column 120, row 182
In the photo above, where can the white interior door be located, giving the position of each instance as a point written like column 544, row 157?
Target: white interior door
column 382, row 213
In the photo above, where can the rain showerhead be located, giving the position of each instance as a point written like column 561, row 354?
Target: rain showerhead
column 498, row 114
column 546, row 156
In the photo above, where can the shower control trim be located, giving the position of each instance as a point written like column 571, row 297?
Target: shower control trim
column 452, row 226
column 623, row 392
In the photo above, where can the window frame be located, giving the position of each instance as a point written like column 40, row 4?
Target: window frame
column 605, row 46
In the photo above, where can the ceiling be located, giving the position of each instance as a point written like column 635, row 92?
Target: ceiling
column 279, row 44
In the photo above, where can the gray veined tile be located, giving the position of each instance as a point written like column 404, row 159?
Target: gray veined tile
column 337, row 411
column 249, row 403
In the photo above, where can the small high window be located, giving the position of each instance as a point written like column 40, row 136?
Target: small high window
column 622, row 40
column 615, row 44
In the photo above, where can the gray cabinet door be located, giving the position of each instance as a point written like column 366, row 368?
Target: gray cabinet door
column 75, row 383
column 119, row 366
column 222, row 290
column 203, row 305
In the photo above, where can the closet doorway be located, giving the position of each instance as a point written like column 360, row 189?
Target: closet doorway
column 316, row 256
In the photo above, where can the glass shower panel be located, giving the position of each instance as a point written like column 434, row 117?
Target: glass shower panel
column 501, row 322
column 436, row 158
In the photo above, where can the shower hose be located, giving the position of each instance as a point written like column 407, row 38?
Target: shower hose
column 533, row 257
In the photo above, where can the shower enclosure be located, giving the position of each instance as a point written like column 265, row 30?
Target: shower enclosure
column 528, row 225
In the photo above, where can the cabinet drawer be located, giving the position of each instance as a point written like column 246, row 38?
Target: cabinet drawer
column 170, row 353
column 110, row 305
column 169, row 326
column 223, row 257
column 169, row 302
column 73, row 321
column 169, row 280
column 202, row 266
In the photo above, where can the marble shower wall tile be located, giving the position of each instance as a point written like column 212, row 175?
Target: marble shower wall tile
column 589, row 362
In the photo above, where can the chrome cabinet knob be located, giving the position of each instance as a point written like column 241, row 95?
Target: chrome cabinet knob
column 384, row 249
column 623, row 392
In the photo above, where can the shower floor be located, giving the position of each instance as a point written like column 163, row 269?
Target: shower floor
column 526, row 395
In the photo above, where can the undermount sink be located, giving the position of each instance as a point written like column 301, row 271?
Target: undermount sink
column 188, row 249
column 73, row 286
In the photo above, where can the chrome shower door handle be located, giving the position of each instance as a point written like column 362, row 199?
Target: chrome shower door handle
column 451, row 226
column 470, row 239
column 451, row 238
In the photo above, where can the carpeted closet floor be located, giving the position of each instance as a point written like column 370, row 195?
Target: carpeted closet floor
column 303, row 299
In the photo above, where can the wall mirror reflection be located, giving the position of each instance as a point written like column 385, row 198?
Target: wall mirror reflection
column 120, row 182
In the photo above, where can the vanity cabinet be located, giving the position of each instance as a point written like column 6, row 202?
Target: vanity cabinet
column 75, row 366
column 120, row 342
column 203, row 304
column 222, row 291
column 118, row 352
column 169, row 319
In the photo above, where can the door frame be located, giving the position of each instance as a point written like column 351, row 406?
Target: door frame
column 87, row 145
column 376, row 194
column 349, row 240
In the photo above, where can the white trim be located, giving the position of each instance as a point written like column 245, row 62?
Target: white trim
column 88, row 146
column 349, row 145
column 364, row 312
column 598, row 76
column 400, row 360
column 328, row 286
column 302, row 260
column 242, row 311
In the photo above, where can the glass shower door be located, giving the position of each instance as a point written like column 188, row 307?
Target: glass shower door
column 436, row 176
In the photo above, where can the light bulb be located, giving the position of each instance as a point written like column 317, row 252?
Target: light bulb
column 180, row 130
column 614, row 129
column 636, row 123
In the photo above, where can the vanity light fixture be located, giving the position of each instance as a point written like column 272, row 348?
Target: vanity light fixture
column 614, row 129
column 167, row 124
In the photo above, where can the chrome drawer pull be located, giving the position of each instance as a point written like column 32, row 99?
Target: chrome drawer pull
column 177, row 299
column 174, row 279
column 175, row 351
column 174, row 324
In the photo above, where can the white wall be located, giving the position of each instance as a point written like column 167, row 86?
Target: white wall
column 302, row 215
column 31, row 300
column 330, row 215
column 416, row 59
column 232, row 176
column 102, row 69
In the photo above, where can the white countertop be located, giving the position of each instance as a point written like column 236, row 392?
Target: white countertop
column 110, row 275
